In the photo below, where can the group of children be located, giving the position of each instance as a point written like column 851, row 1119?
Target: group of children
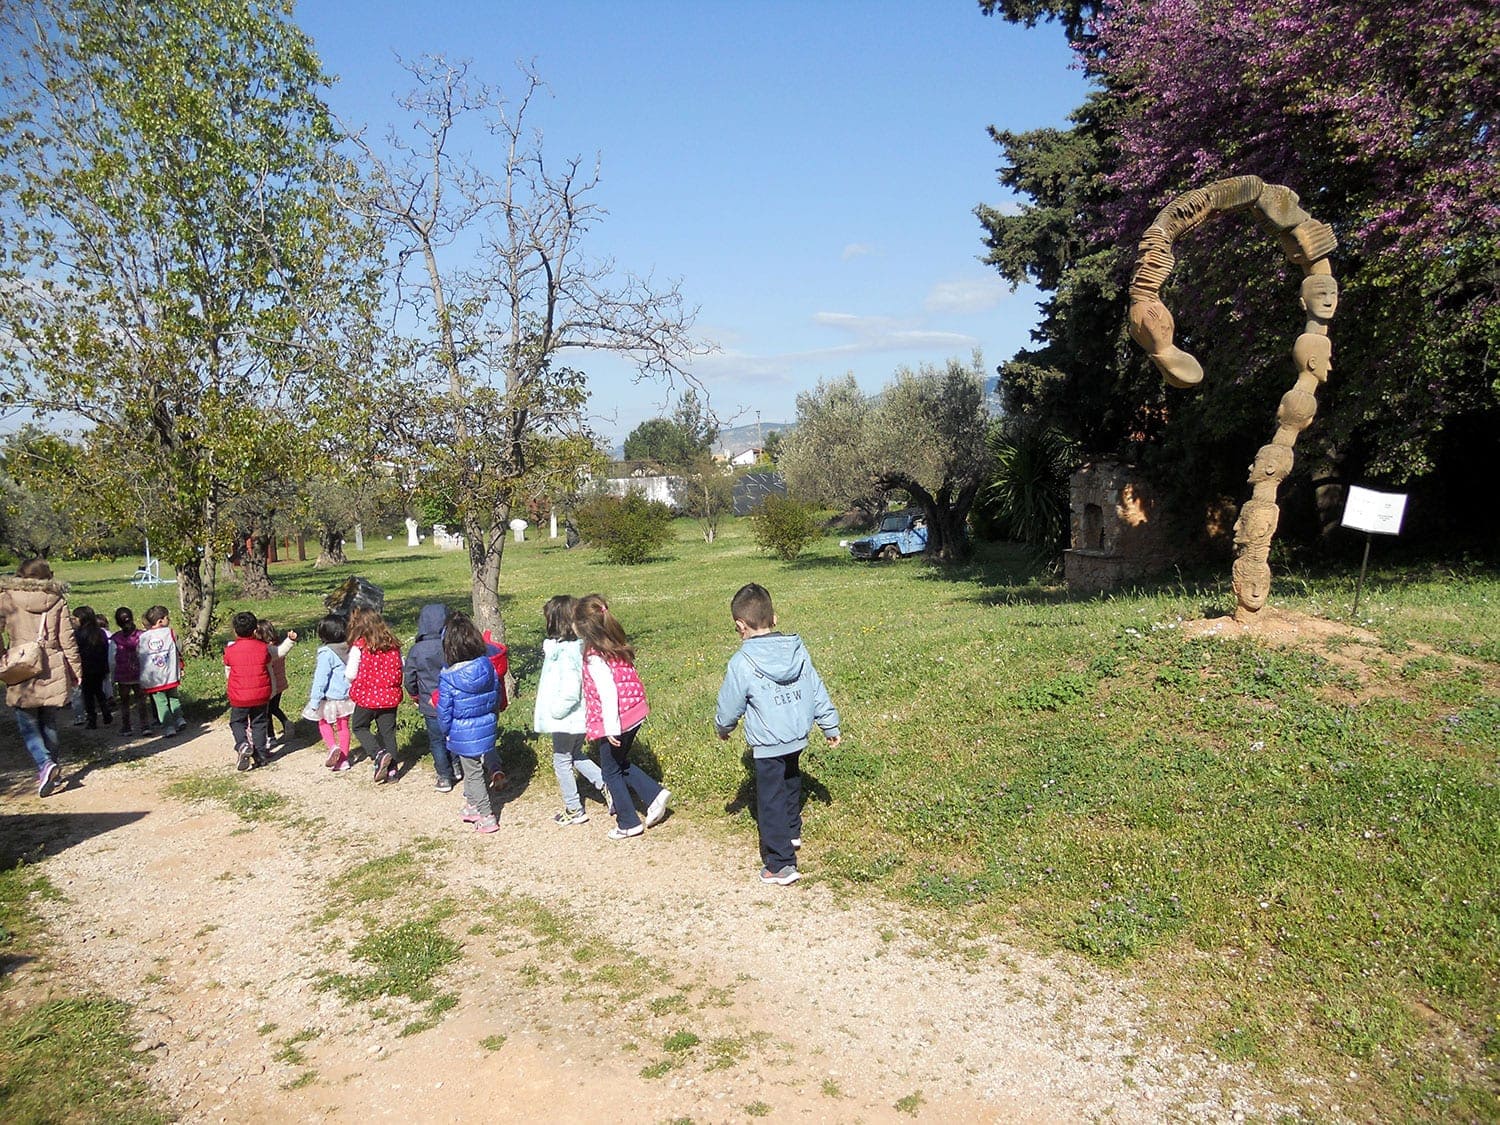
column 588, row 691
column 143, row 665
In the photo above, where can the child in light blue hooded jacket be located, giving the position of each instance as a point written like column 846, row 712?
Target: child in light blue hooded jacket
column 771, row 683
column 559, row 709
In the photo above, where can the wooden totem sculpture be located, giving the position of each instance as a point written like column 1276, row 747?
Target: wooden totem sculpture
column 1307, row 243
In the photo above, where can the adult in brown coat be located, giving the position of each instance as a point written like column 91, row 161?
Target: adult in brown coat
column 34, row 607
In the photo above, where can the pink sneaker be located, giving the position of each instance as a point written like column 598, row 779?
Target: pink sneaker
column 486, row 825
column 470, row 814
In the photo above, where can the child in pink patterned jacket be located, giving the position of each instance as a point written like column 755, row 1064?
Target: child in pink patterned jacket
column 614, row 707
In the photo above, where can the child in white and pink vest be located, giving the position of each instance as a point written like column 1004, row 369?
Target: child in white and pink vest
column 614, row 705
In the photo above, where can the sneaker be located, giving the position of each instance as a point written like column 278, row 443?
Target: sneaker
column 243, row 757
column 335, row 756
column 486, row 825
column 343, row 766
column 626, row 833
column 781, row 878
column 181, row 726
column 443, row 785
column 658, row 808
column 569, row 816
column 385, row 767
column 49, row 777
column 796, row 843
column 470, row 814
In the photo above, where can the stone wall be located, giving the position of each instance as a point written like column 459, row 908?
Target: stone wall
column 1118, row 529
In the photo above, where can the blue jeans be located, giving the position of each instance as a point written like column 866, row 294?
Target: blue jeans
column 567, row 756
column 778, row 808
column 442, row 761
column 624, row 779
column 38, row 726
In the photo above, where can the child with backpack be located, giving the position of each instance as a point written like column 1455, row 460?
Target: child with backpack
column 161, row 670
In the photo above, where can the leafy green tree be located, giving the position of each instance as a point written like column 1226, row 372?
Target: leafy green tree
column 1390, row 136
column 493, row 267
column 707, row 493
column 176, row 273
column 826, row 458
column 689, row 433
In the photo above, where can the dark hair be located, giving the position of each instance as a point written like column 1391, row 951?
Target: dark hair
column 265, row 631
column 752, row 605
column 332, row 629
column 462, row 640
column 599, row 631
column 558, row 614
column 244, row 623
column 156, row 613
column 84, row 614
column 86, row 632
column 35, row 568
column 125, row 618
column 367, row 625
column 101, row 622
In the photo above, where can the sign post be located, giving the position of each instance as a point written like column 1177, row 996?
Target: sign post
column 1374, row 513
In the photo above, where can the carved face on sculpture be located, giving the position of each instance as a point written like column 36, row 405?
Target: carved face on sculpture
column 1252, row 582
column 1272, row 462
column 1313, row 354
column 1256, row 524
column 1320, row 296
column 1296, row 410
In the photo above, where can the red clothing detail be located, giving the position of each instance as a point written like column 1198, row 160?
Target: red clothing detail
column 377, row 682
column 631, row 695
column 249, row 682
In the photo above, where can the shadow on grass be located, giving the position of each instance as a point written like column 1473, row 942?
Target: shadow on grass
column 744, row 797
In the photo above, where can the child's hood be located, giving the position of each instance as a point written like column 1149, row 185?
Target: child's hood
column 554, row 649
column 430, row 621
column 781, row 657
column 340, row 650
column 474, row 676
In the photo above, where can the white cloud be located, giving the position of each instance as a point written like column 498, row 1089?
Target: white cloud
column 858, row 250
column 884, row 334
column 970, row 295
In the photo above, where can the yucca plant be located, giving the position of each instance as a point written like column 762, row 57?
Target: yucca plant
column 1026, row 500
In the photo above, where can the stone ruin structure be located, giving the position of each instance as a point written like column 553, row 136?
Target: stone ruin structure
column 1308, row 244
column 1117, row 532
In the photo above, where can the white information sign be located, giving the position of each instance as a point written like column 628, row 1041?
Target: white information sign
column 1378, row 512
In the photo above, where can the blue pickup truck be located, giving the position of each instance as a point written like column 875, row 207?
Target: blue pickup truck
column 900, row 534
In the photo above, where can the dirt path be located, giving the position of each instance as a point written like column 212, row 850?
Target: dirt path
column 595, row 961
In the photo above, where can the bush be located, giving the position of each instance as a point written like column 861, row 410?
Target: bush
column 629, row 530
column 783, row 527
column 1026, row 498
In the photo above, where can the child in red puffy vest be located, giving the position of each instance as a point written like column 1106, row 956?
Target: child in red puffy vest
column 247, row 678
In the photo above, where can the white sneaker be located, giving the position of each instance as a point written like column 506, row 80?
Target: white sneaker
column 658, row 808
column 796, row 843
column 626, row 833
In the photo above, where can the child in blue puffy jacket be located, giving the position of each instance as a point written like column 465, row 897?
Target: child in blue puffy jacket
column 468, row 695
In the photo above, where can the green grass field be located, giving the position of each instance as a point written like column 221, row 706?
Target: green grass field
column 1293, row 847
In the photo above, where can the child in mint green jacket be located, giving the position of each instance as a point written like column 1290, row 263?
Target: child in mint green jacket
column 559, row 708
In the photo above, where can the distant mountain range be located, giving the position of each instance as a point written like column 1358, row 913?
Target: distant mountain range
column 736, row 439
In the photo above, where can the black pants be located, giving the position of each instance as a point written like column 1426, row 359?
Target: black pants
column 249, row 724
column 778, row 808
column 274, row 711
column 94, row 698
column 384, row 738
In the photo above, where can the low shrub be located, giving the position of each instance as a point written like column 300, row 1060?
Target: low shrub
column 783, row 527
column 628, row 529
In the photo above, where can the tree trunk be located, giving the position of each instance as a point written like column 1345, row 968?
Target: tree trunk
column 330, row 549
column 486, row 551
column 255, row 581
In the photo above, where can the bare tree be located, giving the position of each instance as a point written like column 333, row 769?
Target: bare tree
column 492, row 264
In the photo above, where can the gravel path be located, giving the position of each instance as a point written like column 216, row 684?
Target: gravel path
column 806, row 1003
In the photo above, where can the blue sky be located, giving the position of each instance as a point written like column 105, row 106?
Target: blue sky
column 808, row 171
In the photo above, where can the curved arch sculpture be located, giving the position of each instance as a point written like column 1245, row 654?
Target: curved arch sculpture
column 1305, row 242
